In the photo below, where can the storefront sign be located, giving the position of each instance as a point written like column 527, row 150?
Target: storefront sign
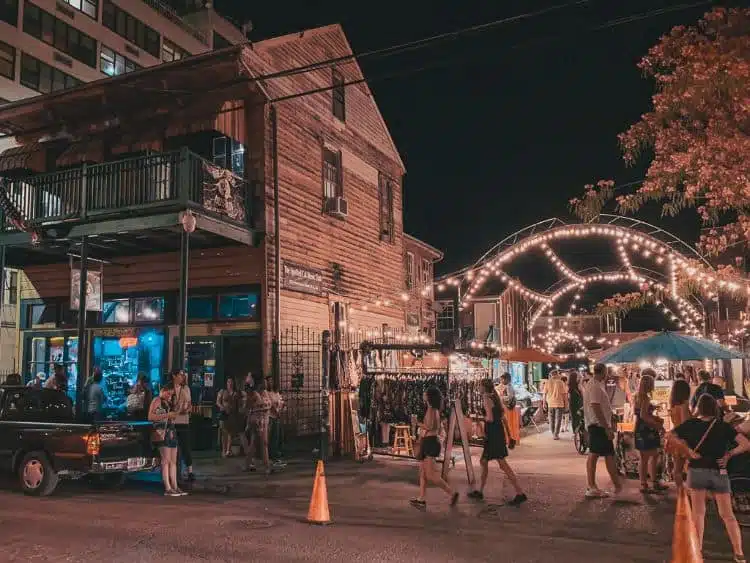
column 302, row 279
column 93, row 290
column 116, row 332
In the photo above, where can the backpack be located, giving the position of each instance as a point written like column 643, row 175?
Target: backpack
column 135, row 401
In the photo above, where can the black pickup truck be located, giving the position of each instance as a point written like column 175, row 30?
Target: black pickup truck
column 41, row 442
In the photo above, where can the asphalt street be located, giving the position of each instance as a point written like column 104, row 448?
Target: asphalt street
column 262, row 518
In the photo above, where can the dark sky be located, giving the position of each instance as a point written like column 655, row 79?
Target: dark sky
column 494, row 137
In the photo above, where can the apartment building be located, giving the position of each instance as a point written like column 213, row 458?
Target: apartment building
column 51, row 45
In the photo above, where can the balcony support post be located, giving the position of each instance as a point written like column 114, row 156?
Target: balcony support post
column 2, row 279
column 82, row 344
column 83, row 207
column 182, row 316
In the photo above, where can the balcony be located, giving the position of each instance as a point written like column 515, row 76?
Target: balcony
column 144, row 185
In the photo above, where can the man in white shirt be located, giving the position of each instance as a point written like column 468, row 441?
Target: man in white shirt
column 597, row 413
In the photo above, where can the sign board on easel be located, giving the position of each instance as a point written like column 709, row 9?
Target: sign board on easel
column 457, row 418
column 361, row 444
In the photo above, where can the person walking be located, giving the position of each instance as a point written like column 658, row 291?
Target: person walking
column 495, row 445
column 575, row 402
column 647, row 434
column 274, row 429
column 429, row 450
column 164, row 437
column 709, row 443
column 679, row 412
column 555, row 395
column 597, row 414
column 182, row 403
column 256, row 431
column 95, row 397
column 229, row 403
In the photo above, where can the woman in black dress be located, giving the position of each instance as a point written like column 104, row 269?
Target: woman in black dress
column 495, row 445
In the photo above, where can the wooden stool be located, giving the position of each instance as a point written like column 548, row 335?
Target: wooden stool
column 402, row 443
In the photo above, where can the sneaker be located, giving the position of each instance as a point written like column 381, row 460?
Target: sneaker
column 477, row 495
column 454, row 499
column 171, row 494
column 180, row 493
column 191, row 477
column 416, row 503
column 518, row 500
column 595, row 493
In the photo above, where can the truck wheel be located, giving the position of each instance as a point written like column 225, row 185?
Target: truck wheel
column 36, row 475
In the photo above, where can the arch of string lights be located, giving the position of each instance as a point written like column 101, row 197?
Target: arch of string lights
column 630, row 236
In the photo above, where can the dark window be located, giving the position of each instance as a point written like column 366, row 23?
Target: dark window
column 332, row 181
column 239, row 306
column 386, row 208
column 9, row 12
column 230, row 154
column 88, row 7
column 410, row 274
column 221, row 42
column 172, row 52
column 116, row 311
column 43, row 78
column 445, row 316
column 7, row 61
column 41, row 314
column 201, row 308
column 112, row 63
column 339, row 96
column 149, row 309
column 10, row 289
column 132, row 29
column 46, row 27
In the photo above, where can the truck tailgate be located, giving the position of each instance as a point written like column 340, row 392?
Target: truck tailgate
column 123, row 441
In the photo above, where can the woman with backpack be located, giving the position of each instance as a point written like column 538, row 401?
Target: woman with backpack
column 140, row 398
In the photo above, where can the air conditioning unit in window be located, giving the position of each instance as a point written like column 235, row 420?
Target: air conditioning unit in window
column 336, row 206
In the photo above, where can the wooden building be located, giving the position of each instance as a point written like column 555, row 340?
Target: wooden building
column 419, row 261
column 193, row 198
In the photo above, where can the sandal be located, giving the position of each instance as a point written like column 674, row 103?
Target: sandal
column 739, row 559
column 416, row 503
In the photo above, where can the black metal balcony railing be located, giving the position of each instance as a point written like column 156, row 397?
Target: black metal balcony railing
column 141, row 184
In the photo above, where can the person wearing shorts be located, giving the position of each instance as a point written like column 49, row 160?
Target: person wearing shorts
column 597, row 413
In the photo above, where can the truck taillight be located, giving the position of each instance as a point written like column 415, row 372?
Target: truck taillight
column 93, row 443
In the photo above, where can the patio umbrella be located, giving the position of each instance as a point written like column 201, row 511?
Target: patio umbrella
column 670, row 346
column 526, row 355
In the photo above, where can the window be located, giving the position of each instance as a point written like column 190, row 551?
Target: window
column 116, row 311
column 445, row 316
column 426, row 274
column 171, row 52
column 240, row 306
column 386, row 208
column 149, row 309
column 132, row 29
column 201, row 308
column 43, row 78
column 88, row 7
column 41, row 314
column 220, row 42
column 7, row 61
column 112, row 63
column 339, row 95
column 230, row 154
column 47, row 28
column 10, row 287
column 332, row 184
column 409, row 270
column 9, row 12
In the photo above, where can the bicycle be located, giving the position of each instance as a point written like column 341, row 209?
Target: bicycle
column 580, row 439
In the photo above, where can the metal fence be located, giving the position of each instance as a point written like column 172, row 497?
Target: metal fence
column 301, row 385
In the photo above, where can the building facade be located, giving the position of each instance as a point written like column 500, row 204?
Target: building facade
column 419, row 269
column 48, row 45
column 215, row 219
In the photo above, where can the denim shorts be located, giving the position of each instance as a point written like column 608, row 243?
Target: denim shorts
column 712, row 480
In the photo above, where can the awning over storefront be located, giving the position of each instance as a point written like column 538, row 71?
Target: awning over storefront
column 526, row 355
column 24, row 157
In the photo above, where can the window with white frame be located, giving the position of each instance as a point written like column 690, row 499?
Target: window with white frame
column 427, row 275
column 410, row 270
column 332, row 182
column 445, row 316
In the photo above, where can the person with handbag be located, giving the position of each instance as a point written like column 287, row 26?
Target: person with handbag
column 182, row 402
column 709, row 443
column 648, row 427
column 495, row 445
column 164, row 437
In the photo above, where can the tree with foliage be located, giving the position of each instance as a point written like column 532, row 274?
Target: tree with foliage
column 698, row 131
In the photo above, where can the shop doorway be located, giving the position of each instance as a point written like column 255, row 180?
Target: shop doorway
column 241, row 354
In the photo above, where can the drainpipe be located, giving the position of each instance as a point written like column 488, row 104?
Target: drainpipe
column 277, row 248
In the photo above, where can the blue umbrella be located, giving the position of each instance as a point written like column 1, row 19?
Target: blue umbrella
column 670, row 346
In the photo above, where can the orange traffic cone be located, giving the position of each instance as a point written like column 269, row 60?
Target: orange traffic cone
column 685, row 545
column 318, row 513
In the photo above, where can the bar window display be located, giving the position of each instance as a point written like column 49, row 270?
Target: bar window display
column 122, row 355
column 45, row 352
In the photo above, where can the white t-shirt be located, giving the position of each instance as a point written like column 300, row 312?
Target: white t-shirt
column 596, row 393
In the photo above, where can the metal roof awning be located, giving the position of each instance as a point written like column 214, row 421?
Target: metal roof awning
column 30, row 156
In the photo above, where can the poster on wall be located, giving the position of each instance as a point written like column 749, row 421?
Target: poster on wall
column 301, row 278
column 93, row 290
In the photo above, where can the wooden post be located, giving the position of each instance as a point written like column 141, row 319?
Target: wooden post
column 457, row 418
column 183, row 297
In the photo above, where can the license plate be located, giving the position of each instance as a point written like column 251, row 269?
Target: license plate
column 135, row 463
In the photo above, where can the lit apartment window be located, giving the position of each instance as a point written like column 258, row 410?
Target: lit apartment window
column 332, row 181
column 339, row 96
column 112, row 63
column 9, row 12
column 88, row 7
column 132, row 29
column 43, row 78
column 7, row 61
column 46, row 27
column 229, row 154
column 172, row 52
